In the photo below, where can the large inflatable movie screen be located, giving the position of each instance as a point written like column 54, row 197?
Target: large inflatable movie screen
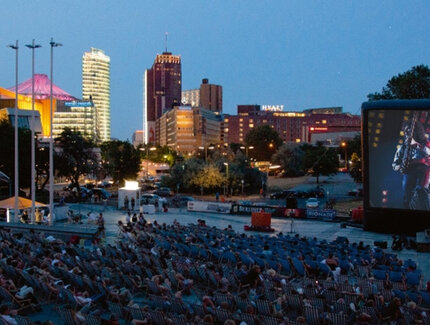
column 396, row 138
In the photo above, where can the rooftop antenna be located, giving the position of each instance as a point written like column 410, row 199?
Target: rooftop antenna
column 165, row 40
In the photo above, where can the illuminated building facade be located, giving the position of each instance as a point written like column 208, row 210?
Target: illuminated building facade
column 291, row 126
column 96, row 88
column 184, row 128
column 76, row 115
column 191, row 97
column 162, row 91
column 137, row 138
column 42, row 102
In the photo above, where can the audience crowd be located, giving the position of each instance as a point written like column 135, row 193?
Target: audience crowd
column 196, row 274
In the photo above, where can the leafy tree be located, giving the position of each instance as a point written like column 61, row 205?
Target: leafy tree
column 42, row 165
column 265, row 141
column 290, row 158
column 412, row 84
column 354, row 154
column 320, row 161
column 355, row 169
column 76, row 156
column 7, row 149
column 208, row 178
column 120, row 159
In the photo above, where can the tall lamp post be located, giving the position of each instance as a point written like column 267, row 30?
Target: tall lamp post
column 51, row 141
column 226, row 165
column 32, row 46
column 344, row 145
column 147, row 155
column 247, row 148
column 16, row 179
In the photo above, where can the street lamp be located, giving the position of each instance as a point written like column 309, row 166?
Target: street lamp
column 206, row 150
column 51, row 141
column 32, row 46
column 16, row 179
column 344, row 145
column 226, row 165
column 246, row 149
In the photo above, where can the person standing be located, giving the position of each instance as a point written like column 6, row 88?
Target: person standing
column 133, row 202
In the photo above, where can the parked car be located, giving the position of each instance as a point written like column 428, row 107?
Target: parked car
column 148, row 198
column 180, row 201
column 163, row 191
column 283, row 195
column 312, row 203
column 101, row 193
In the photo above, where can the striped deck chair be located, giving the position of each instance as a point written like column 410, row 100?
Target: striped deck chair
column 92, row 320
column 270, row 320
column 247, row 318
column 312, row 315
column 295, row 301
column 264, row 307
column 22, row 320
column 116, row 309
column 363, row 271
column 340, row 307
column 177, row 319
column 157, row 317
column 67, row 316
column 337, row 319
column 137, row 313
column 222, row 315
column 198, row 310
column 242, row 304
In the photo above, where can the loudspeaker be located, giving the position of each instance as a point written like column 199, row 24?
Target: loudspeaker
column 291, row 203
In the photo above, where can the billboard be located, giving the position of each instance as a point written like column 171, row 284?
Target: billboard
column 396, row 143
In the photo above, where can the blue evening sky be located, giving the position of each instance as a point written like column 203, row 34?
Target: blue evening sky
column 299, row 53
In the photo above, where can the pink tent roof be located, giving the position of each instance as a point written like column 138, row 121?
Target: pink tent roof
column 42, row 88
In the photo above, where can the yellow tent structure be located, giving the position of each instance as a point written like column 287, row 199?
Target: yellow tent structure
column 23, row 203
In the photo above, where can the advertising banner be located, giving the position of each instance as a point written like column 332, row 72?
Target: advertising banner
column 215, row 207
column 321, row 214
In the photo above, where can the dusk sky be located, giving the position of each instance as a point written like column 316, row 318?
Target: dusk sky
column 300, row 54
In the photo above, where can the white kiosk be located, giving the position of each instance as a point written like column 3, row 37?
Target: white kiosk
column 127, row 194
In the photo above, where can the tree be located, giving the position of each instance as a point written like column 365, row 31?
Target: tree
column 320, row 161
column 412, row 84
column 354, row 149
column 120, row 159
column 290, row 158
column 265, row 141
column 355, row 170
column 208, row 178
column 76, row 156
column 7, row 149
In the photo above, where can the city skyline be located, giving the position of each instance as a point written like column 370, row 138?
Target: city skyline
column 297, row 54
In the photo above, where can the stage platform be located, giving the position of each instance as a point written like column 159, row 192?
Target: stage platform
column 63, row 231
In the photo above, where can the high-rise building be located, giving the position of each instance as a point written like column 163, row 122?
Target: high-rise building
column 191, row 97
column 186, row 128
column 211, row 96
column 162, row 91
column 77, row 115
column 208, row 96
column 96, row 88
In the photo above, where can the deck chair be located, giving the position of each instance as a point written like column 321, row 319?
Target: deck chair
column 19, row 304
column 312, row 315
column 264, row 307
column 338, row 319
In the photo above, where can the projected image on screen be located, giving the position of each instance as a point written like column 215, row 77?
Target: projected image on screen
column 399, row 159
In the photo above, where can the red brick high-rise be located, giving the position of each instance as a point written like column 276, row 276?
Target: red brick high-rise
column 162, row 91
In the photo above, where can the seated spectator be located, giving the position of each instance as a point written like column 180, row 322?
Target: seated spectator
column 25, row 217
column 6, row 315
